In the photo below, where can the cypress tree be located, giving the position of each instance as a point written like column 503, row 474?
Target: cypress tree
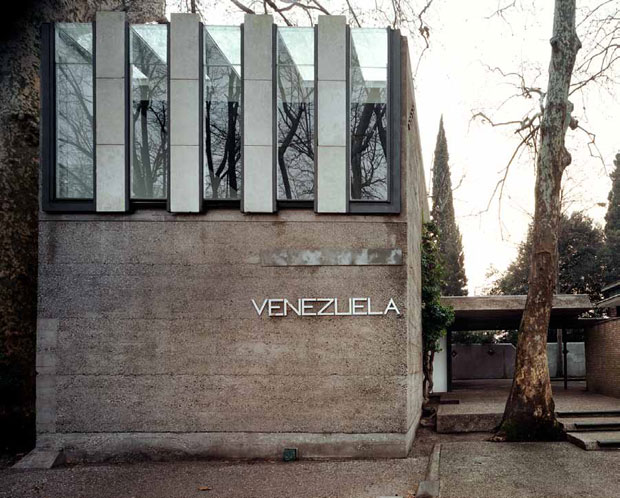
column 612, row 227
column 450, row 243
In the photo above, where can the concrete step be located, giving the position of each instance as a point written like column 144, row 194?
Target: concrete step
column 602, row 440
column 582, row 424
column 588, row 414
column 41, row 459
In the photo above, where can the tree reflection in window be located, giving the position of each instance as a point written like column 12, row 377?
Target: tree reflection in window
column 295, row 127
column 222, row 59
column 149, row 111
column 368, row 118
column 74, row 111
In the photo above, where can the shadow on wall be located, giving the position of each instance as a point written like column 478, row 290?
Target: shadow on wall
column 497, row 361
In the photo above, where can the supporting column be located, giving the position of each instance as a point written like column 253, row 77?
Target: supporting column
column 440, row 367
column 111, row 187
column 185, row 114
column 331, row 159
column 259, row 193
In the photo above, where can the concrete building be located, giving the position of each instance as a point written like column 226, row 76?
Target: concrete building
column 229, row 240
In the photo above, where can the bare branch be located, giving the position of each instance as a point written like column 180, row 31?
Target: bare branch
column 242, row 7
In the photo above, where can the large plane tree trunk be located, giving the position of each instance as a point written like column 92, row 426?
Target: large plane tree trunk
column 530, row 410
column 19, row 171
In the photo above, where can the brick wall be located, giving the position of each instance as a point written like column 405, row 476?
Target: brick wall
column 603, row 357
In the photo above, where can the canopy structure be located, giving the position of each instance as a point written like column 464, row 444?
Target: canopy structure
column 504, row 312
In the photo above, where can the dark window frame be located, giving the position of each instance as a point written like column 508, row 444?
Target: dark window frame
column 49, row 201
column 393, row 204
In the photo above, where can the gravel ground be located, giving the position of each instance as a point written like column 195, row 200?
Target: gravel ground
column 342, row 479
column 542, row 470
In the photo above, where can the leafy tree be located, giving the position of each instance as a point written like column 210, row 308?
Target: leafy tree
column 435, row 316
column 611, row 253
column 580, row 264
column 450, row 243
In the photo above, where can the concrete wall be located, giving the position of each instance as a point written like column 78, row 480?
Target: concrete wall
column 575, row 359
column 483, row 361
column 148, row 342
column 603, row 358
column 497, row 361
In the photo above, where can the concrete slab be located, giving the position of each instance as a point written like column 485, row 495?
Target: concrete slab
column 481, row 404
column 41, row 459
column 551, row 470
column 504, row 312
column 590, row 440
column 342, row 479
column 581, row 424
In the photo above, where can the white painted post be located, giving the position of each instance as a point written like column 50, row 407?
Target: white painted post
column 258, row 119
column 331, row 158
column 110, row 101
column 440, row 368
column 185, row 114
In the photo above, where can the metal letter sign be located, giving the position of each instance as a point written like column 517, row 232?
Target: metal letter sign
column 305, row 306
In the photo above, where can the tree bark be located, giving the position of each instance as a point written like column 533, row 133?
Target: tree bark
column 530, row 410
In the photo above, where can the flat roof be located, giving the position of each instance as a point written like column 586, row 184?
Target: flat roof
column 504, row 312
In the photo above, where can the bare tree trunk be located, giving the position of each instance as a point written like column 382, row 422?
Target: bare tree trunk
column 530, row 410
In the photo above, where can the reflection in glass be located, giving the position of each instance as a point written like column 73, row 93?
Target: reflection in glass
column 368, row 119
column 74, row 111
column 295, row 126
column 222, row 70
column 149, row 111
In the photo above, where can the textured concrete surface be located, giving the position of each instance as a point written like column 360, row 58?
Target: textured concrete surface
column 481, row 403
column 41, row 459
column 590, row 440
column 147, row 325
column 136, row 446
column 550, row 470
column 497, row 361
column 483, row 361
column 350, row 479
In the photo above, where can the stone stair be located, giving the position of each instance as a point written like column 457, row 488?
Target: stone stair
column 596, row 430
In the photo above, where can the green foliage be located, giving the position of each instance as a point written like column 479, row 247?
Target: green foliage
column 581, row 266
column 450, row 242
column 476, row 337
column 435, row 316
column 611, row 252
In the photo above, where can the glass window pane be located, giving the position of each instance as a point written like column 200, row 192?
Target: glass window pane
column 296, row 46
column 74, row 43
column 368, row 115
column 149, row 100
column 74, row 112
column 222, row 161
column 295, row 113
column 222, row 45
column 369, row 47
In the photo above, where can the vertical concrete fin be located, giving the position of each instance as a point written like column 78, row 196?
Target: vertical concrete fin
column 332, row 130
column 185, row 114
column 258, row 115
column 110, row 114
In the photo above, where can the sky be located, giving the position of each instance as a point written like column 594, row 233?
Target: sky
column 456, row 78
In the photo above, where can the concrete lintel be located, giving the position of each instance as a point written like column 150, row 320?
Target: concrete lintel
column 96, row 447
column 332, row 257
column 517, row 302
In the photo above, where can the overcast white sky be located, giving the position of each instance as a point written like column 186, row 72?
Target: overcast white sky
column 454, row 79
